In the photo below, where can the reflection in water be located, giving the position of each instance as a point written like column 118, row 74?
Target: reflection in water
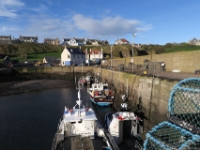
column 29, row 121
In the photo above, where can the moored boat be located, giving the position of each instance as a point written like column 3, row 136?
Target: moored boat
column 125, row 127
column 101, row 95
column 79, row 129
column 82, row 81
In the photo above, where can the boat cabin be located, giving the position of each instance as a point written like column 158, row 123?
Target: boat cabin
column 80, row 122
column 99, row 86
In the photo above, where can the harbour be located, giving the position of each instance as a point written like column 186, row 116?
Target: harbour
column 29, row 120
column 105, row 78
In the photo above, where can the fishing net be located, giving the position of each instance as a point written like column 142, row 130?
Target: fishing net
column 184, row 104
column 168, row 136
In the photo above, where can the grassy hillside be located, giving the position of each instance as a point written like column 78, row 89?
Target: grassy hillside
column 30, row 51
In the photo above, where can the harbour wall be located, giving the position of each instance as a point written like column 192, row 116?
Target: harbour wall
column 148, row 96
column 183, row 61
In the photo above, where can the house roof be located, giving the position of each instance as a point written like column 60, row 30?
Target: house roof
column 94, row 51
column 92, row 40
column 79, row 39
column 28, row 37
column 75, row 51
column 124, row 40
column 66, row 39
column 5, row 36
column 50, row 59
column 47, row 39
column 6, row 58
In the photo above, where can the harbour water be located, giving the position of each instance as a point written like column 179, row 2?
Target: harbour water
column 29, row 121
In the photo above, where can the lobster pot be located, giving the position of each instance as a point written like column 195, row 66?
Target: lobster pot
column 168, row 136
column 184, row 105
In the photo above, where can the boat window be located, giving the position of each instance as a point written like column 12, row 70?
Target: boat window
column 73, row 122
column 80, row 121
column 105, row 87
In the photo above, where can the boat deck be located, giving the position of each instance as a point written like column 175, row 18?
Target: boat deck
column 84, row 143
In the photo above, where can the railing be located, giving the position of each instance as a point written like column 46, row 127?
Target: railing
column 54, row 145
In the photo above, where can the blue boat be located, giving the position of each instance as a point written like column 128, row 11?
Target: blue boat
column 101, row 95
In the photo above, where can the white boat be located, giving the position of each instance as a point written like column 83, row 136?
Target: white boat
column 124, row 125
column 101, row 95
column 84, row 80
column 79, row 129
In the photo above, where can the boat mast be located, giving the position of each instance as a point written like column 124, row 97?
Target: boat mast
column 127, row 87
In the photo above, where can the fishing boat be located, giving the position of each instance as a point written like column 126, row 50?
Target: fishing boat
column 101, row 95
column 82, row 81
column 79, row 129
column 125, row 127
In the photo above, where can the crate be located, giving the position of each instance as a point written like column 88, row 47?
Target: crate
column 184, row 105
column 168, row 136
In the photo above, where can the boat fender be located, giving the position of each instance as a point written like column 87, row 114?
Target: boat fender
column 71, row 110
column 120, row 118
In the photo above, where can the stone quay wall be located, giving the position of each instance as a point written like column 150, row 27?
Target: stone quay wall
column 183, row 61
column 148, row 96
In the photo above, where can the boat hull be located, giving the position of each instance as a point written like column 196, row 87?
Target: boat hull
column 101, row 103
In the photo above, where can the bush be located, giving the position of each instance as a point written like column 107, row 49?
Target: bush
column 159, row 50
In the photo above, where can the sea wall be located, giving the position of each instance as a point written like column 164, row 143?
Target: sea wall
column 147, row 96
column 184, row 61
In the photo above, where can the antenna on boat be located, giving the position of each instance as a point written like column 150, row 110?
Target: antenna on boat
column 127, row 87
column 79, row 101
column 77, row 84
column 124, row 105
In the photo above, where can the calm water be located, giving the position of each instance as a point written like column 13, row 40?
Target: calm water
column 29, row 121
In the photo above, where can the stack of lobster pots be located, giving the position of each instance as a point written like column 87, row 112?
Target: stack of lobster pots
column 182, row 130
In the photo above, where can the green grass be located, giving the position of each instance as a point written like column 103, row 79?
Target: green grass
column 182, row 48
column 39, row 56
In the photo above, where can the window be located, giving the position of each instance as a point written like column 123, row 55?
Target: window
column 68, row 56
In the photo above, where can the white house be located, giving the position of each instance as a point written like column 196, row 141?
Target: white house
column 72, row 56
column 94, row 54
column 76, row 41
column 121, row 41
column 65, row 41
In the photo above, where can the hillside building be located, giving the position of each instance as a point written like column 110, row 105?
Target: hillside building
column 72, row 56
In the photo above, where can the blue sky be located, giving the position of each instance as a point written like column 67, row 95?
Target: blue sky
column 153, row 21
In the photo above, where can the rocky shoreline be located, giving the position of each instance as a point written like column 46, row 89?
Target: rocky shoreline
column 16, row 87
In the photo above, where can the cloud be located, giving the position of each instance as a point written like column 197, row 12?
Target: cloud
column 49, row 2
column 8, row 29
column 45, row 26
column 109, row 26
column 8, row 8
column 48, row 27
column 41, row 8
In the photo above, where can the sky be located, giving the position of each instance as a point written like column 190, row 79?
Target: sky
column 152, row 21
